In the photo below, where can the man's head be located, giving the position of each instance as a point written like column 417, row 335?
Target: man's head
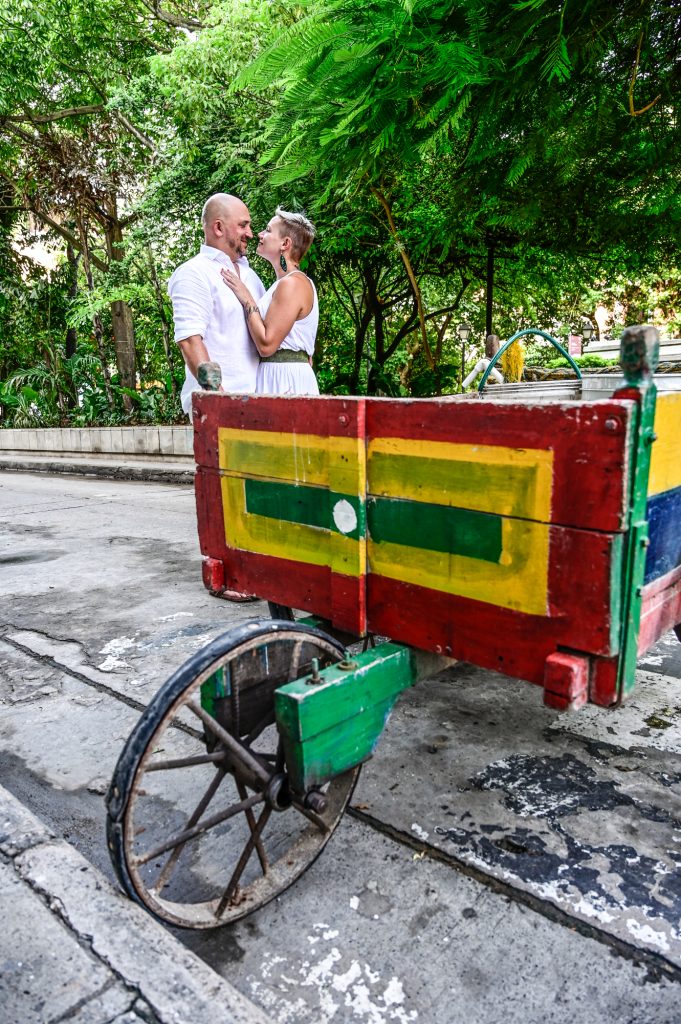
column 226, row 224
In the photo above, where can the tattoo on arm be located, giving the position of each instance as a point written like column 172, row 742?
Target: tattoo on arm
column 249, row 309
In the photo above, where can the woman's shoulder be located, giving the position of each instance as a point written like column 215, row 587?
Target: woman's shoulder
column 296, row 278
column 295, row 285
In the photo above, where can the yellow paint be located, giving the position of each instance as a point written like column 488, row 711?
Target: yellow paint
column 665, row 458
column 264, row 536
column 519, row 581
column 330, row 463
column 506, row 481
column 485, row 478
column 336, row 462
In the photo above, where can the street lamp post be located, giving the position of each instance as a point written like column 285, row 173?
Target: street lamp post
column 464, row 331
column 587, row 331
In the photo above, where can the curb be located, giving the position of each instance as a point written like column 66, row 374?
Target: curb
column 150, row 472
column 134, row 957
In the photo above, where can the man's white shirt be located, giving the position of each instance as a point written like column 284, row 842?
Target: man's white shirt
column 203, row 304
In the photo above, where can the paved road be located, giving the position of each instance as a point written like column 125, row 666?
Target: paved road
column 500, row 861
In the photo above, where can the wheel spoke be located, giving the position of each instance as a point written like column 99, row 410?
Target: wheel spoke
column 190, row 833
column 294, row 670
column 169, row 865
column 234, row 701
column 250, row 818
column 184, row 762
column 243, row 861
column 233, row 745
column 266, row 720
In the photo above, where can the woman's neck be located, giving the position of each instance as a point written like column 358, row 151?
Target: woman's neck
column 282, row 273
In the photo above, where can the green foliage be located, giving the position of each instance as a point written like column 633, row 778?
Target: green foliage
column 546, row 131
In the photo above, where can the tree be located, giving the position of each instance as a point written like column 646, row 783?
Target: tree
column 71, row 154
column 555, row 126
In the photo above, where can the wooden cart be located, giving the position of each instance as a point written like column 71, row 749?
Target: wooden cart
column 541, row 539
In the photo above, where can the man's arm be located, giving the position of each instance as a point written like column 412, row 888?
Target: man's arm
column 194, row 352
column 192, row 306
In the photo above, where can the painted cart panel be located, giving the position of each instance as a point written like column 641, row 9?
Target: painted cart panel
column 496, row 533
column 280, row 489
column 522, row 512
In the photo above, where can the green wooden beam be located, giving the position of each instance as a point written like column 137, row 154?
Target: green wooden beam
column 639, row 356
column 334, row 723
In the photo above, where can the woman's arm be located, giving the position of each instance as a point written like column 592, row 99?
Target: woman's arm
column 291, row 300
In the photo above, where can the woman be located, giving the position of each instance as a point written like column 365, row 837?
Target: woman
column 283, row 323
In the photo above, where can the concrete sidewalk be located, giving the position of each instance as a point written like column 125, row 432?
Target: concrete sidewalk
column 72, row 948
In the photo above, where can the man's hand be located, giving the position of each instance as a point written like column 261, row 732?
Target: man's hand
column 234, row 282
column 209, row 376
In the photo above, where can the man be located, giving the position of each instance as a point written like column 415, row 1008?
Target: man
column 209, row 321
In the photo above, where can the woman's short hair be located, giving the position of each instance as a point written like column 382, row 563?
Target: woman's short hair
column 299, row 229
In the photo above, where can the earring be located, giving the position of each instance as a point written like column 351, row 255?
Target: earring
column 282, row 262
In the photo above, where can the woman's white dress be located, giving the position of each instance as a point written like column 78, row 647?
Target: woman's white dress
column 291, row 378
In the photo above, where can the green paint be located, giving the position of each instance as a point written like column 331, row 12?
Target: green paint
column 301, row 503
column 639, row 358
column 217, row 686
column 455, row 531
column 329, row 727
column 616, row 591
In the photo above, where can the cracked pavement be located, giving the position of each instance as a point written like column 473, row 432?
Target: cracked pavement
column 499, row 860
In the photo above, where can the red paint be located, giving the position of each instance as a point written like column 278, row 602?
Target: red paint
column 209, row 514
column 310, row 588
column 566, row 679
column 660, row 608
column 213, row 572
column 603, row 682
column 325, row 417
column 554, row 700
column 496, row 638
column 580, row 573
column 590, row 458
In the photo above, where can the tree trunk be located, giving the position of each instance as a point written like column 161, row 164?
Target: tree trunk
column 360, row 339
column 71, row 333
column 404, row 255
column 121, row 314
column 96, row 321
column 71, row 340
column 124, row 342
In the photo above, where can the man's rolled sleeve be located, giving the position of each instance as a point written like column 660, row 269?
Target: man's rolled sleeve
column 192, row 302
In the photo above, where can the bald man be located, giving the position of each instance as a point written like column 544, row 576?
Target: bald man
column 209, row 320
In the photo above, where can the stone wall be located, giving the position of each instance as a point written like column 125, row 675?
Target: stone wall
column 102, row 442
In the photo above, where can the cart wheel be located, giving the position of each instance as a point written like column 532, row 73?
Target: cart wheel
column 195, row 824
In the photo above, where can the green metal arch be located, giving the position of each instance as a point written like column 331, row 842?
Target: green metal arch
column 519, row 334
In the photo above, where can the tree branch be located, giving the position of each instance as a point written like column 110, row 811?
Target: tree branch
column 168, row 18
column 68, row 235
column 32, row 140
column 59, row 115
column 145, row 140
column 410, row 272
column 632, row 83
